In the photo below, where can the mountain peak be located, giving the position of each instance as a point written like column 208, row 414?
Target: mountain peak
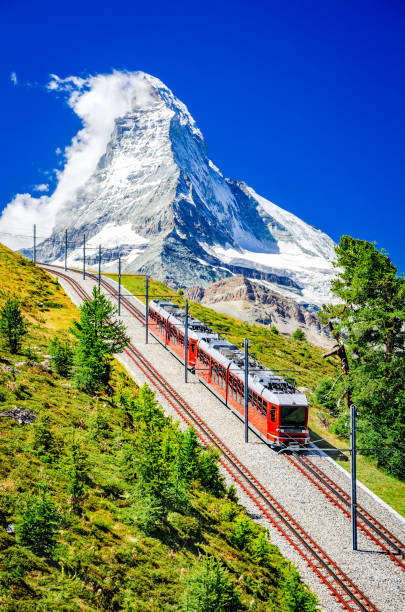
column 155, row 197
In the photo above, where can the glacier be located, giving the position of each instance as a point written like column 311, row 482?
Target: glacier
column 155, row 198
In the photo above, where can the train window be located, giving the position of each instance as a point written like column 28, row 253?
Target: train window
column 259, row 404
column 273, row 414
column 230, row 381
column 255, row 400
column 264, row 408
column 250, row 396
column 293, row 416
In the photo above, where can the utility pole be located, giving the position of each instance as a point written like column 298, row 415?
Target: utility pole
column 66, row 243
column 246, row 390
column 146, row 309
column 340, row 351
column 119, row 285
column 353, row 470
column 99, row 265
column 186, row 345
column 35, row 244
column 84, row 256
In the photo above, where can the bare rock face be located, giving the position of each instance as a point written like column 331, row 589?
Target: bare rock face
column 23, row 417
column 195, row 294
column 253, row 301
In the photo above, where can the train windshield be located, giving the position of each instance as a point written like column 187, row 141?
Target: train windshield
column 294, row 416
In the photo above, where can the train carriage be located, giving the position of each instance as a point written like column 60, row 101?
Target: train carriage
column 277, row 412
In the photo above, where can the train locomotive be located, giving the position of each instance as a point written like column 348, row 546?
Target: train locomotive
column 278, row 412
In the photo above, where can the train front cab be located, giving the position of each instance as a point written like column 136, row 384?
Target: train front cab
column 289, row 427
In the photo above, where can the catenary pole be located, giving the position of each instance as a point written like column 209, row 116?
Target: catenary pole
column 246, row 391
column 353, row 474
column 35, row 244
column 119, row 285
column 84, row 256
column 186, row 345
column 146, row 309
column 99, row 265
column 66, row 243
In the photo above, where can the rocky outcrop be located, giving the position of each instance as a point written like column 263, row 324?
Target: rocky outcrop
column 254, row 302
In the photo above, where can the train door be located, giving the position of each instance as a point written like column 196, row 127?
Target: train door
column 192, row 353
column 272, row 418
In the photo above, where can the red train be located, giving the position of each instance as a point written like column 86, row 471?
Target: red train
column 278, row 413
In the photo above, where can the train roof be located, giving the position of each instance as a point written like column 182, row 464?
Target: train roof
column 267, row 383
column 196, row 328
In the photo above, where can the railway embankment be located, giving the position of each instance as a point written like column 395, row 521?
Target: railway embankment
column 372, row 571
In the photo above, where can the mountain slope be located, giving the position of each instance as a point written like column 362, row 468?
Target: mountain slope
column 156, row 197
column 254, row 302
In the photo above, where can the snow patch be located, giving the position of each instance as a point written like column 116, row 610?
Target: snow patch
column 116, row 235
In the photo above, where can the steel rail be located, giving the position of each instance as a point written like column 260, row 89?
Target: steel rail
column 367, row 523
column 350, row 597
column 389, row 543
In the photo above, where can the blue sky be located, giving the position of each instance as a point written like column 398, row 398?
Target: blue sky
column 304, row 100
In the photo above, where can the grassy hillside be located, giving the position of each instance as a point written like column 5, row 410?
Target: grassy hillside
column 42, row 299
column 308, row 367
column 83, row 457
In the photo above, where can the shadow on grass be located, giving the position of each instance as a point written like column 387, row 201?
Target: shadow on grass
column 324, row 445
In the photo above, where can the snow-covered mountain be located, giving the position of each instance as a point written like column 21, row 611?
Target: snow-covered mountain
column 156, row 198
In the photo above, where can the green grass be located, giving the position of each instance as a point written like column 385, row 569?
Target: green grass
column 390, row 489
column 42, row 299
column 282, row 353
column 103, row 561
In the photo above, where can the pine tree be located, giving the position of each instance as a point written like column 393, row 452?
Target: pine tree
column 209, row 589
column 99, row 336
column 61, row 356
column 12, row 324
column 298, row 335
column 37, row 526
column 44, row 444
column 370, row 319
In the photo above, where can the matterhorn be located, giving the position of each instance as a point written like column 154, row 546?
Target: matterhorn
column 157, row 199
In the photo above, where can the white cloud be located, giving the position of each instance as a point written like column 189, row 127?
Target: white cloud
column 98, row 100
column 13, row 78
column 41, row 187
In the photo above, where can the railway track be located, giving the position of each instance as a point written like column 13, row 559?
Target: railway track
column 339, row 584
column 365, row 521
column 368, row 524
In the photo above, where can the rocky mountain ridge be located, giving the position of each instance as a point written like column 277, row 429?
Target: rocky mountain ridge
column 254, row 302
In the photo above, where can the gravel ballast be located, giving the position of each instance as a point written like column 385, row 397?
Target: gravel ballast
column 369, row 568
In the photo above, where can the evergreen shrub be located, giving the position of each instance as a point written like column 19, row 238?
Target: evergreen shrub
column 61, row 356
column 37, row 526
column 13, row 326
column 299, row 335
column 210, row 589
